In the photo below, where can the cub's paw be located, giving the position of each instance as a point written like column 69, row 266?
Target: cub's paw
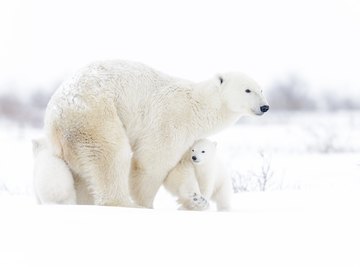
column 197, row 202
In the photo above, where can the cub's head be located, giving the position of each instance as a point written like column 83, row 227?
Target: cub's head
column 242, row 94
column 202, row 151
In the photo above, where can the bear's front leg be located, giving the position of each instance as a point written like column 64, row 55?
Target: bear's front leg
column 151, row 165
column 145, row 182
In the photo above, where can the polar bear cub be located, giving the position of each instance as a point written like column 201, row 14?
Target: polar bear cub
column 200, row 176
column 53, row 181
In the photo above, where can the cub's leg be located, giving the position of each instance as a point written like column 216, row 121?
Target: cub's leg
column 223, row 195
column 181, row 182
column 194, row 202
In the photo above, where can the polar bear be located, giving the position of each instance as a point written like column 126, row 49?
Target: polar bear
column 122, row 126
column 182, row 183
column 53, row 181
column 200, row 176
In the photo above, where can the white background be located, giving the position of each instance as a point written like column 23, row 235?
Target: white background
column 43, row 41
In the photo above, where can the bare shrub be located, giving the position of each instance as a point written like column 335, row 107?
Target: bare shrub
column 4, row 188
column 265, row 174
column 39, row 99
column 12, row 108
column 241, row 182
column 24, row 113
column 326, row 140
column 335, row 102
column 258, row 180
column 291, row 94
column 37, row 103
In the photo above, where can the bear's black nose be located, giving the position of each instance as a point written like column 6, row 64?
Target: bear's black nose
column 264, row 108
column 193, row 158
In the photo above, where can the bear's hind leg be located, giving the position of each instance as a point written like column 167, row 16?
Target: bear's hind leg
column 99, row 154
column 109, row 173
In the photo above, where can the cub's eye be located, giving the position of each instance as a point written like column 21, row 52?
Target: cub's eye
column 203, row 151
column 248, row 91
column 192, row 150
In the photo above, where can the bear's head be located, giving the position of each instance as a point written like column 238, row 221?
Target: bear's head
column 202, row 151
column 242, row 94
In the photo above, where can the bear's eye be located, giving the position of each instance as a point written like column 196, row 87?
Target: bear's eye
column 203, row 151
column 192, row 150
column 248, row 91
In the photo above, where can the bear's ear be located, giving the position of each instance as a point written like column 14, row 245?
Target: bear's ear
column 220, row 78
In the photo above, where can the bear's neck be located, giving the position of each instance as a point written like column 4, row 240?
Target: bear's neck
column 209, row 113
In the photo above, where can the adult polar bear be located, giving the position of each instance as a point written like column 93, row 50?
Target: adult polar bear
column 118, row 119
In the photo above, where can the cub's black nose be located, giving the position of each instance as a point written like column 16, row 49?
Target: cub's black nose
column 193, row 158
column 264, row 108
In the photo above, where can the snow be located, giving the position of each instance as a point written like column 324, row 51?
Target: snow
column 308, row 215
column 266, row 229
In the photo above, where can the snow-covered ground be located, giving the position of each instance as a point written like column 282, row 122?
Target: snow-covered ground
column 298, row 204
column 267, row 229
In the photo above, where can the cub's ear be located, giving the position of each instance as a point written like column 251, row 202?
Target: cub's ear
column 220, row 78
column 38, row 145
column 35, row 145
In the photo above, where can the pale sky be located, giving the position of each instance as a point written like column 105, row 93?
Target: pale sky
column 43, row 41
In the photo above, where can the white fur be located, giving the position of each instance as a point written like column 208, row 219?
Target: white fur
column 53, row 182
column 109, row 110
column 208, row 177
column 182, row 183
